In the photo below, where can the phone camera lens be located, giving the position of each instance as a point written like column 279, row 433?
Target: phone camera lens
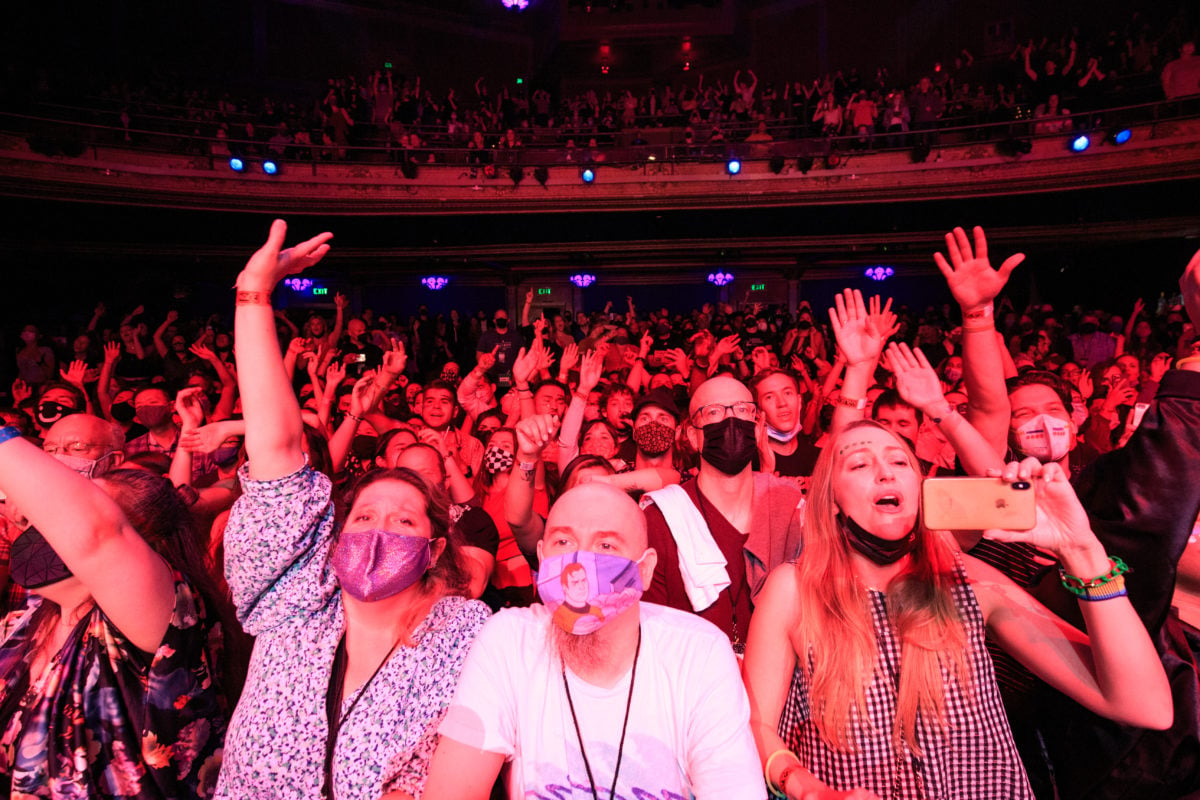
column 1019, row 485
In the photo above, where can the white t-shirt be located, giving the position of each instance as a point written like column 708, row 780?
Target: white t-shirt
column 688, row 734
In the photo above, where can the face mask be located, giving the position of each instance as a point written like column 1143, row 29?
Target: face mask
column 729, row 444
column 501, row 324
column 953, row 375
column 122, row 412
column 653, row 438
column 1045, row 438
column 1088, row 328
column 152, row 416
column 1079, row 415
column 50, row 412
column 497, row 460
column 804, row 324
column 377, row 564
column 584, row 590
column 783, row 436
column 32, row 562
column 28, row 337
column 875, row 548
column 87, row 467
column 227, row 454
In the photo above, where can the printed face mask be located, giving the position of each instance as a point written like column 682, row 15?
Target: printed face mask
column 729, row 444
column 377, row 564
column 32, row 562
column 584, row 590
column 50, row 412
column 1045, row 438
column 497, row 460
column 653, row 438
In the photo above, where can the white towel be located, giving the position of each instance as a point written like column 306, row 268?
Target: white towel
column 700, row 560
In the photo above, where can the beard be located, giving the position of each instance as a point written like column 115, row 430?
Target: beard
column 581, row 652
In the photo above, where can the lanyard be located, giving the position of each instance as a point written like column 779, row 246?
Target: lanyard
column 333, row 705
column 612, row 793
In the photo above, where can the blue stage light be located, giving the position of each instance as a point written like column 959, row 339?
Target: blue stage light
column 1122, row 136
column 587, row 175
column 733, row 166
column 236, row 164
column 270, row 167
column 1080, row 143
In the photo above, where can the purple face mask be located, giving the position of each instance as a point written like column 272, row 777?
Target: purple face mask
column 376, row 564
column 584, row 590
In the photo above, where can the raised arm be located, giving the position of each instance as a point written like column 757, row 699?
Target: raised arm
column 861, row 337
column 274, row 429
column 224, row 407
column 1113, row 670
column 590, row 368
column 159, row 344
column 533, row 434
column 91, row 535
column 975, row 285
column 112, row 354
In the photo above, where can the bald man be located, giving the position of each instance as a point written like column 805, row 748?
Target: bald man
column 718, row 536
column 87, row 444
column 639, row 701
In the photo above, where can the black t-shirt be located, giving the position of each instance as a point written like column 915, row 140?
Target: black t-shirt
column 477, row 529
column 801, row 462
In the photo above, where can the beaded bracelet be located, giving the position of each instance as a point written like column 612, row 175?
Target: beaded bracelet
column 1080, row 587
column 1114, row 588
column 9, row 432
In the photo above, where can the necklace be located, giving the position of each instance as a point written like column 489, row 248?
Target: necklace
column 612, row 793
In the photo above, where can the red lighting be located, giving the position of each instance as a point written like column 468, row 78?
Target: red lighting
column 604, row 69
column 687, row 65
column 687, row 45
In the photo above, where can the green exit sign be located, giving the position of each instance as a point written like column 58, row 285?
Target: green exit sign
column 320, row 290
column 758, row 287
column 520, row 81
column 387, row 65
column 544, row 290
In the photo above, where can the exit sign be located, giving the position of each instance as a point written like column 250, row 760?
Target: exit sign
column 544, row 290
column 320, row 290
column 758, row 287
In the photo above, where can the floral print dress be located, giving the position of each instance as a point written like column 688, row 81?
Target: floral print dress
column 107, row 720
column 276, row 561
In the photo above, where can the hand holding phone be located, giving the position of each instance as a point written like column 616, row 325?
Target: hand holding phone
column 977, row 504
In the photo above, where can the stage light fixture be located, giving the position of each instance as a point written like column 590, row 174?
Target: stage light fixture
column 1080, row 143
column 583, row 279
column 804, row 164
column 516, row 175
column 435, row 282
column 1120, row 136
column 587, row 175
column 776, row 164
column 720, row 278
column 541, row 175
column 237, row 165
column 409, row 169
column 733, row 166
column 269, row 167
column 833, row 161
column 879, row 273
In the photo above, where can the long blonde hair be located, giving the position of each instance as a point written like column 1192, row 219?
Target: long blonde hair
column 835, row 638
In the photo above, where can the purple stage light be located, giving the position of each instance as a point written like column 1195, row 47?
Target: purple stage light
column 435, row 282
column 880, row 273
column 298, row 284
column 720, row 278
column 583, row 279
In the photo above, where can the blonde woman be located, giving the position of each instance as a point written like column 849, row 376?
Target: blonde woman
column 866, row 666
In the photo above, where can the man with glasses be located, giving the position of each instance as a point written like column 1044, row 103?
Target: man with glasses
column 719, row 535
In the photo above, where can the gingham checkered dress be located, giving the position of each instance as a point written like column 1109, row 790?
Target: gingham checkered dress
column 974, row 759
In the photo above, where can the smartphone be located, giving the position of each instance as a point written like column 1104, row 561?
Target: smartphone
column 357, row 358
column 976, row 504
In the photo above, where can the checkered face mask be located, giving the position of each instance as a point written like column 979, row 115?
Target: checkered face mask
column 497, row 460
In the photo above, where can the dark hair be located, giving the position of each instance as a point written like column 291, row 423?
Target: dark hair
column 447, row 576
column 149, row 462
column 890, row 398
column 318, row 450
column 1037, row 377
column 553, row 384
column 770, row 373
column 491, row 413
column 437, row 459
column 583, row 462
column 78, row 396
column 381, row 444
column 445, row 386
column 592, row 423
column 612, row 391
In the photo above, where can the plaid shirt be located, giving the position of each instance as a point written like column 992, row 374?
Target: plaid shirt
column 975, row 757
column 202, row 463
column 14, row 595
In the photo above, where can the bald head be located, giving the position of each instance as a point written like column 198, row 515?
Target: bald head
column 596, row 513
column 721, row 389
column 83, row 436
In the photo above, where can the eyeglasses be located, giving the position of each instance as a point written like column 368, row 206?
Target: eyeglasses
column 70, row 449
column 715, row 412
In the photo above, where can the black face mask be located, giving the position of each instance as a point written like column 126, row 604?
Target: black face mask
column 804, row 324
column 122, row 412
column 50, row 412
column 875, row 548
column 729, row 444
column 1088, row 327
column 501, row 324
column 32, row 562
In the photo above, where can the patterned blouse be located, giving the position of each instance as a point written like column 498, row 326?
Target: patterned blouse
column 276, row 553
column 108, row 720
column 974, row 758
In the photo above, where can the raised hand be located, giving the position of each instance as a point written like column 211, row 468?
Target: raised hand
column 855, row 330
column 207, row 438
column 591, row 367
column 524, row 365
column 1062, row 526
column 112, row 352
column 761, row 357
column 395, row 360
column 916, row 379
column 883, row 316
column 570, row 357
column 680, row 361
column 270, row 263
column 969, row 274
column 341, row 302
column 534, row 433
column 724, row 347
column 363, row 396
column 75, row 373
column 172, row 316
column 201, row 351
column 187, row 405
column 485, row 361
column 334, row 375
column 20, row 392
column 647, row 341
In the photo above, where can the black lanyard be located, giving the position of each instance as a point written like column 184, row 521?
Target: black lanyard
column 612, row 793
column 333, row 705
